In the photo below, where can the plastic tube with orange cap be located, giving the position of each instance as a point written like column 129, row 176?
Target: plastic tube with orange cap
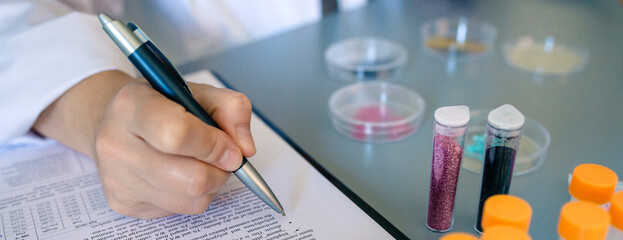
column 506, row 210
column 582, row 220
column 501, row 232
column 592, row 183
column 616, row 215
column 458, row 236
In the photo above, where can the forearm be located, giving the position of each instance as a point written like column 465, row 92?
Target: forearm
column 73, row 118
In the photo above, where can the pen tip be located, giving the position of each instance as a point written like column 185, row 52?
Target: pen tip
column 283, row 213
column 104, row 18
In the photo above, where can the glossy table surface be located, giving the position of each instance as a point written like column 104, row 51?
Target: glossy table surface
column 287, row 81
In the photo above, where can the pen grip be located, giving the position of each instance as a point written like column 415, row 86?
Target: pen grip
column 163, row 77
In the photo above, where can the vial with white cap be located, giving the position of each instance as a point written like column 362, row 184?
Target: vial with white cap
column 501, row 143
column 449, row 135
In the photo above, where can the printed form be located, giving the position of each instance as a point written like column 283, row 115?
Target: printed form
column 48, row 191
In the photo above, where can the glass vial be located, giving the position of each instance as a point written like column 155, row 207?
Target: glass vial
column 501, row 143
column 448, row 138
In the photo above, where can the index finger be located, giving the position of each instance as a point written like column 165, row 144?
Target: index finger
column 231, row 110
column 169, row 128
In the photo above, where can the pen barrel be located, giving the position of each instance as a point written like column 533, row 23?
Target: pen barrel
column 163, row 77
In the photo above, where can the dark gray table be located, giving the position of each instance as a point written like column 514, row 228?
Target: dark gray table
column 286, row 79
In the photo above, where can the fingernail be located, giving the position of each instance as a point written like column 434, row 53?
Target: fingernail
column 230, row 160
column 244, row 137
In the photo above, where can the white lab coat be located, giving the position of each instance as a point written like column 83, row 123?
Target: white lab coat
column 46, row 46
column 45, row 49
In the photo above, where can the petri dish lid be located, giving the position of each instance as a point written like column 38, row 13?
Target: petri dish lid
column 367, row 58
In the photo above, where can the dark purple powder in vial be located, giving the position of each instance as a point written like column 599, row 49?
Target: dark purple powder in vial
column 496, row 175
column 443, row 180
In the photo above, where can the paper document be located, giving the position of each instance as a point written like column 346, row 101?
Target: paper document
column 48, row 191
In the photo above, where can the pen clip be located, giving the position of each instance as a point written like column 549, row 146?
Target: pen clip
column 138, row 32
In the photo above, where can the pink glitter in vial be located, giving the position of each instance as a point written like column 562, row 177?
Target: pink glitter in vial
column 443, row 180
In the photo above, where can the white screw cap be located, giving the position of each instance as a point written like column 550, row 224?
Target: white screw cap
column 452, row 116
column 506, row 117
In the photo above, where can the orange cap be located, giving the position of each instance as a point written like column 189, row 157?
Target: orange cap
column 583, row 220
column 504, row 233
column 458, row 236
column 506, row 210
column 593, row 183
column 616, row 210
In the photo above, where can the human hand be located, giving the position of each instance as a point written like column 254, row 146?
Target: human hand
column 154, row 158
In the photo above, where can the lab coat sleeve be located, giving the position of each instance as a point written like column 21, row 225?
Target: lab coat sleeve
column 39, row 63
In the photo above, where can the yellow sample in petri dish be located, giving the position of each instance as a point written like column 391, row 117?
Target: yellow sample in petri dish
column 441, row 43
column 544, row 57
column 459, row 38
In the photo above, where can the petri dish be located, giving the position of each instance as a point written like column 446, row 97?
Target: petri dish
column 535, row 140
column 365, row 59
column 458, row 38
column 376, row 111
column 545, row 57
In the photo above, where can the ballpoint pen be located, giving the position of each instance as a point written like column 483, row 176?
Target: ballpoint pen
column 165, row 78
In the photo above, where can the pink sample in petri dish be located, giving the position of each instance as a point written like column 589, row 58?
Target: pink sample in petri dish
column 376, row 111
